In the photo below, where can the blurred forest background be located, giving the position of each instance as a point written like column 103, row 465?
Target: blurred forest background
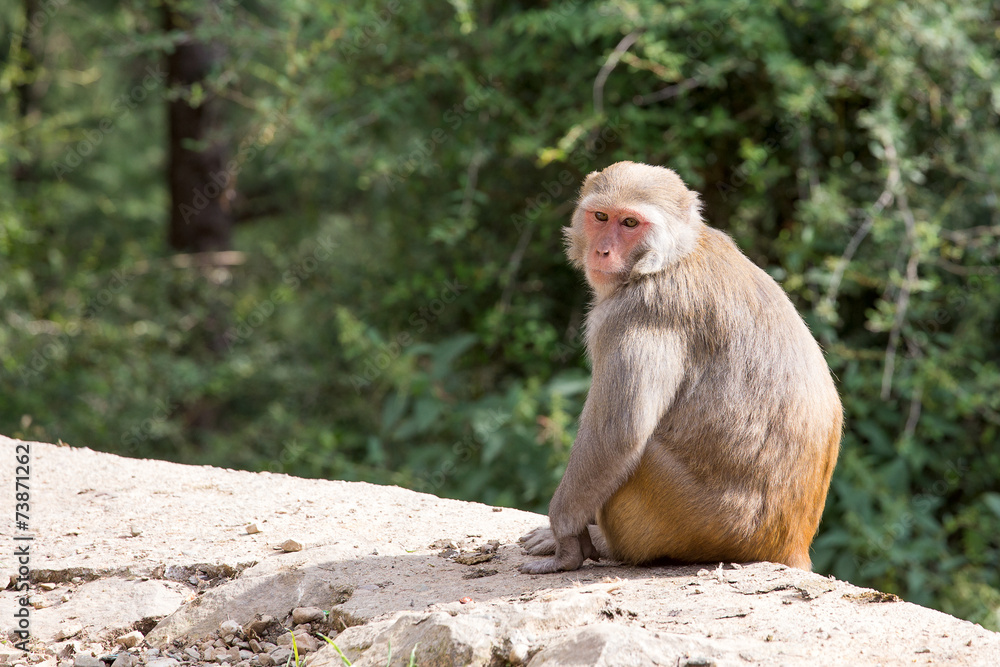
column 323, row 238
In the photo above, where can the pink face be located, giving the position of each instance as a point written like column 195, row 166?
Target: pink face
column 612, row 235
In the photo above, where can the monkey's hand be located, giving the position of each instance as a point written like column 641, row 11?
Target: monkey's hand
column 570, row 552
column 539, row 542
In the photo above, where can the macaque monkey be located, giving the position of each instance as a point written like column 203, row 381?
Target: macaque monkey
column 712, row 424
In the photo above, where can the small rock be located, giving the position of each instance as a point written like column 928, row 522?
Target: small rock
column 68, row 631
column 87, row 660
column 6, row 579
column 265, row 660
column 258, row 627
column 228, row 628
column 307, row 615
column 280, row 655
column 67, row 650
column 135, row 530
column 234, row 654
column 209, row 654
column 64, row 597
column 123, row 660
column 38, row 603
column 255, row 646
column 306, row 643
column 285, row 639
column 518, row 654
column 289, row 546
column 131, row 639
column 152, row 653
column 268, row 646
column 252, row 529
column 193, row 652
column 162, row 662
column 245, row 655
column 46, row 586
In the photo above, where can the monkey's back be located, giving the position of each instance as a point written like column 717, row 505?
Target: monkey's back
column 739, row 466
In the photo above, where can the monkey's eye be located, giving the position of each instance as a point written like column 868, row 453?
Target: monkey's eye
column 603, row 217
column 630, row 222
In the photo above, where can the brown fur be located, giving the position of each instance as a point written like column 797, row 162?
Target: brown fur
column 712, row 425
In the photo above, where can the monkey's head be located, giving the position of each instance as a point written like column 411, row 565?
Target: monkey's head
column 631, row 220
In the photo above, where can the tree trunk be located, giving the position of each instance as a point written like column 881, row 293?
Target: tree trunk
column 201, row 188
column 27, row 91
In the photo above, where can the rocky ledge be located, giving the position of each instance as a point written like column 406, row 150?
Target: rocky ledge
column 138, row 562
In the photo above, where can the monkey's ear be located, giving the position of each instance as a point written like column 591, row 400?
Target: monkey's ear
column 694, row 209
column 651, row 262
column 588, row 183
column 574, row 246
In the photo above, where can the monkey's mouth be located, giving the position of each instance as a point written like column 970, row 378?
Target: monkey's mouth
column 604, row 275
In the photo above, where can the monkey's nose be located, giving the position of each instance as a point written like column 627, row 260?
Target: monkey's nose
column 604, row 253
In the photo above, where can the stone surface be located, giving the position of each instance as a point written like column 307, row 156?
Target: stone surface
column 307, row 615
column 131, row 639
column 386, row 564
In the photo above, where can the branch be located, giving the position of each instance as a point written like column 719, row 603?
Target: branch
column 670, row 91
column 602, row 76
column 965, row 235
column 471, row 179
column 883, row 200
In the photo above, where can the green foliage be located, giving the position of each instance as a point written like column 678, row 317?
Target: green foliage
column 404, row 314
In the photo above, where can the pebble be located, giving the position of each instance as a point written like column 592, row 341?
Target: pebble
column 245, row 655
column 152, row 653
column 6, row 579
column 254, row 646
column 87, row 660
column 307, row 643
column 280, row 655
column 46, row 586
column 135, row 530
column 209, row 654
column 265, row 660
column 162, row 662
column 252, row 529
column 131, row 639
column 288, row 546
column 123, row 660
column 193, row 652
column 68, row 631
column 518, row 654
column 268, row 646
column 229, row 628
column 234, row 653
column 307, row 615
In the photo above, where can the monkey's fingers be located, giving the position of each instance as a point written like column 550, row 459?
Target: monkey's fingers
column 569, row 556
column 543, row 566
column 534, row 531
column 540, row 542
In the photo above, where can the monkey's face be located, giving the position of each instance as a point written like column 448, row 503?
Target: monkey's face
column 615, row 237
column 632, row 220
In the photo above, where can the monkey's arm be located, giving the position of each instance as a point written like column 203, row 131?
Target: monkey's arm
column 634, row 382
